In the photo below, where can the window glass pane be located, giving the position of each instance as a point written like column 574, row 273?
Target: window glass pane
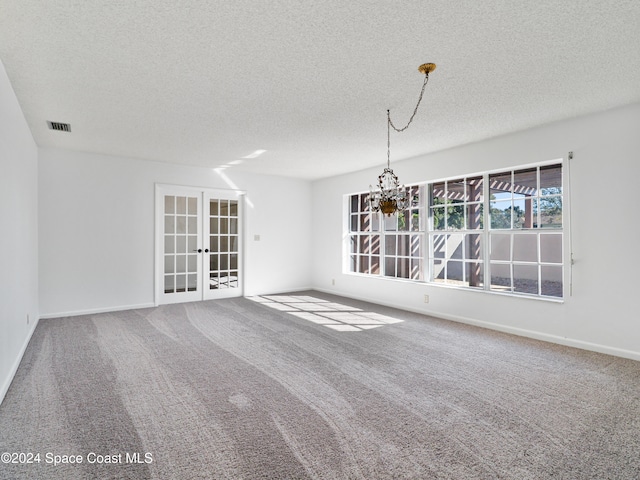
column 525, row 182
column 403, row 269
column 375, row 265
column 525, row 279
column 353, row 244
column 353, row 225
column 353, row 263
column 438, row 218
column 501, row 214
column 375, row 222
column 233, row 243
column 474, row 276
column 455, row 191
column 525, row 248
column 415, row 221
column 455, row 217
column 551, row 248
column 551, row 282
column 233, row 208
column 439, row 246
column 437, row 267
column 415, row 246
column 364, row 204
column 475, row 216
column 390, row 223
column 213, row 244
column 403, row 221
column 213, row 263
column 551, row 180
column 233, row 225
column 353, row 203
column 416, row 269
column 213, row 226
column 500, row 247
column 365, row 244
column 224, row 244
column 501, row 277
column 224, row 225
column 390, row 267
column 365, row 222
column 213, row 208
column 550, row 212
column 454, row 271
column 364, row 265
column 475, row 187
column 454, row 246
column 224, row 262
column 403, row 245
column 500, row 186
column 473, row 246
column 375, row 244
column 390, row 245
column 234, row 261
column 170, row 205
column 438, row 195
column 524, row 212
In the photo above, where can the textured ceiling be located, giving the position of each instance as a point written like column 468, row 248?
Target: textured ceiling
column 209, row 82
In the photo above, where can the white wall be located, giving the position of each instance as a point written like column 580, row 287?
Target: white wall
column 18, row 234
column 601, row 314
column 97, row 229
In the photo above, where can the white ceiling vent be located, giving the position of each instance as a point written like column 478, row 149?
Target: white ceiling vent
column 62, row 127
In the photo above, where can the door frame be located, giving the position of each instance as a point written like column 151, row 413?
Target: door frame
column 165, row 188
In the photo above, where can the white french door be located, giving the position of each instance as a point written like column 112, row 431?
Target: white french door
column 198, row 244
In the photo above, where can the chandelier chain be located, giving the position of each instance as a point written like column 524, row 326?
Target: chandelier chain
column 415, row 110
column 391, row 125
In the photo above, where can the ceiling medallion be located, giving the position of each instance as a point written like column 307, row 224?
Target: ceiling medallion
column 390, row 195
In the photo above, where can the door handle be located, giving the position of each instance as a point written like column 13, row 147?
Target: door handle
column 198, row 250
column 206, row 250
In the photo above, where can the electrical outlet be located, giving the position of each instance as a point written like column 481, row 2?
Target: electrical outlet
column 426, row 299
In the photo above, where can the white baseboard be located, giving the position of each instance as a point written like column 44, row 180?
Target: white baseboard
column 569, row 342
column 92, row 311
column 14, row 368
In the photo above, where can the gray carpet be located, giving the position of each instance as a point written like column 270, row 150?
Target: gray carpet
column 241, row 389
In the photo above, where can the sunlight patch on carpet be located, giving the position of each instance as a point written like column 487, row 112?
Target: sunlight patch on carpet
column 336, row 316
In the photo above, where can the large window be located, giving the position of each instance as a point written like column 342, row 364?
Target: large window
column 497, row 231
column 526, row 231
column 392, row 246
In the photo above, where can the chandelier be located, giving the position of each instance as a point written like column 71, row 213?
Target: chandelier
column 390, row 195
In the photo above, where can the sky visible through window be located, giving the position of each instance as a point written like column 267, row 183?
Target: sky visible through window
column 336, row 316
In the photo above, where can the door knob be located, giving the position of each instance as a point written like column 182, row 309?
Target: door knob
column 206, row 250
column 198, row 250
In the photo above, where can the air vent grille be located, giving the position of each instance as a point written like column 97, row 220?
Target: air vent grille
column 61, row 127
